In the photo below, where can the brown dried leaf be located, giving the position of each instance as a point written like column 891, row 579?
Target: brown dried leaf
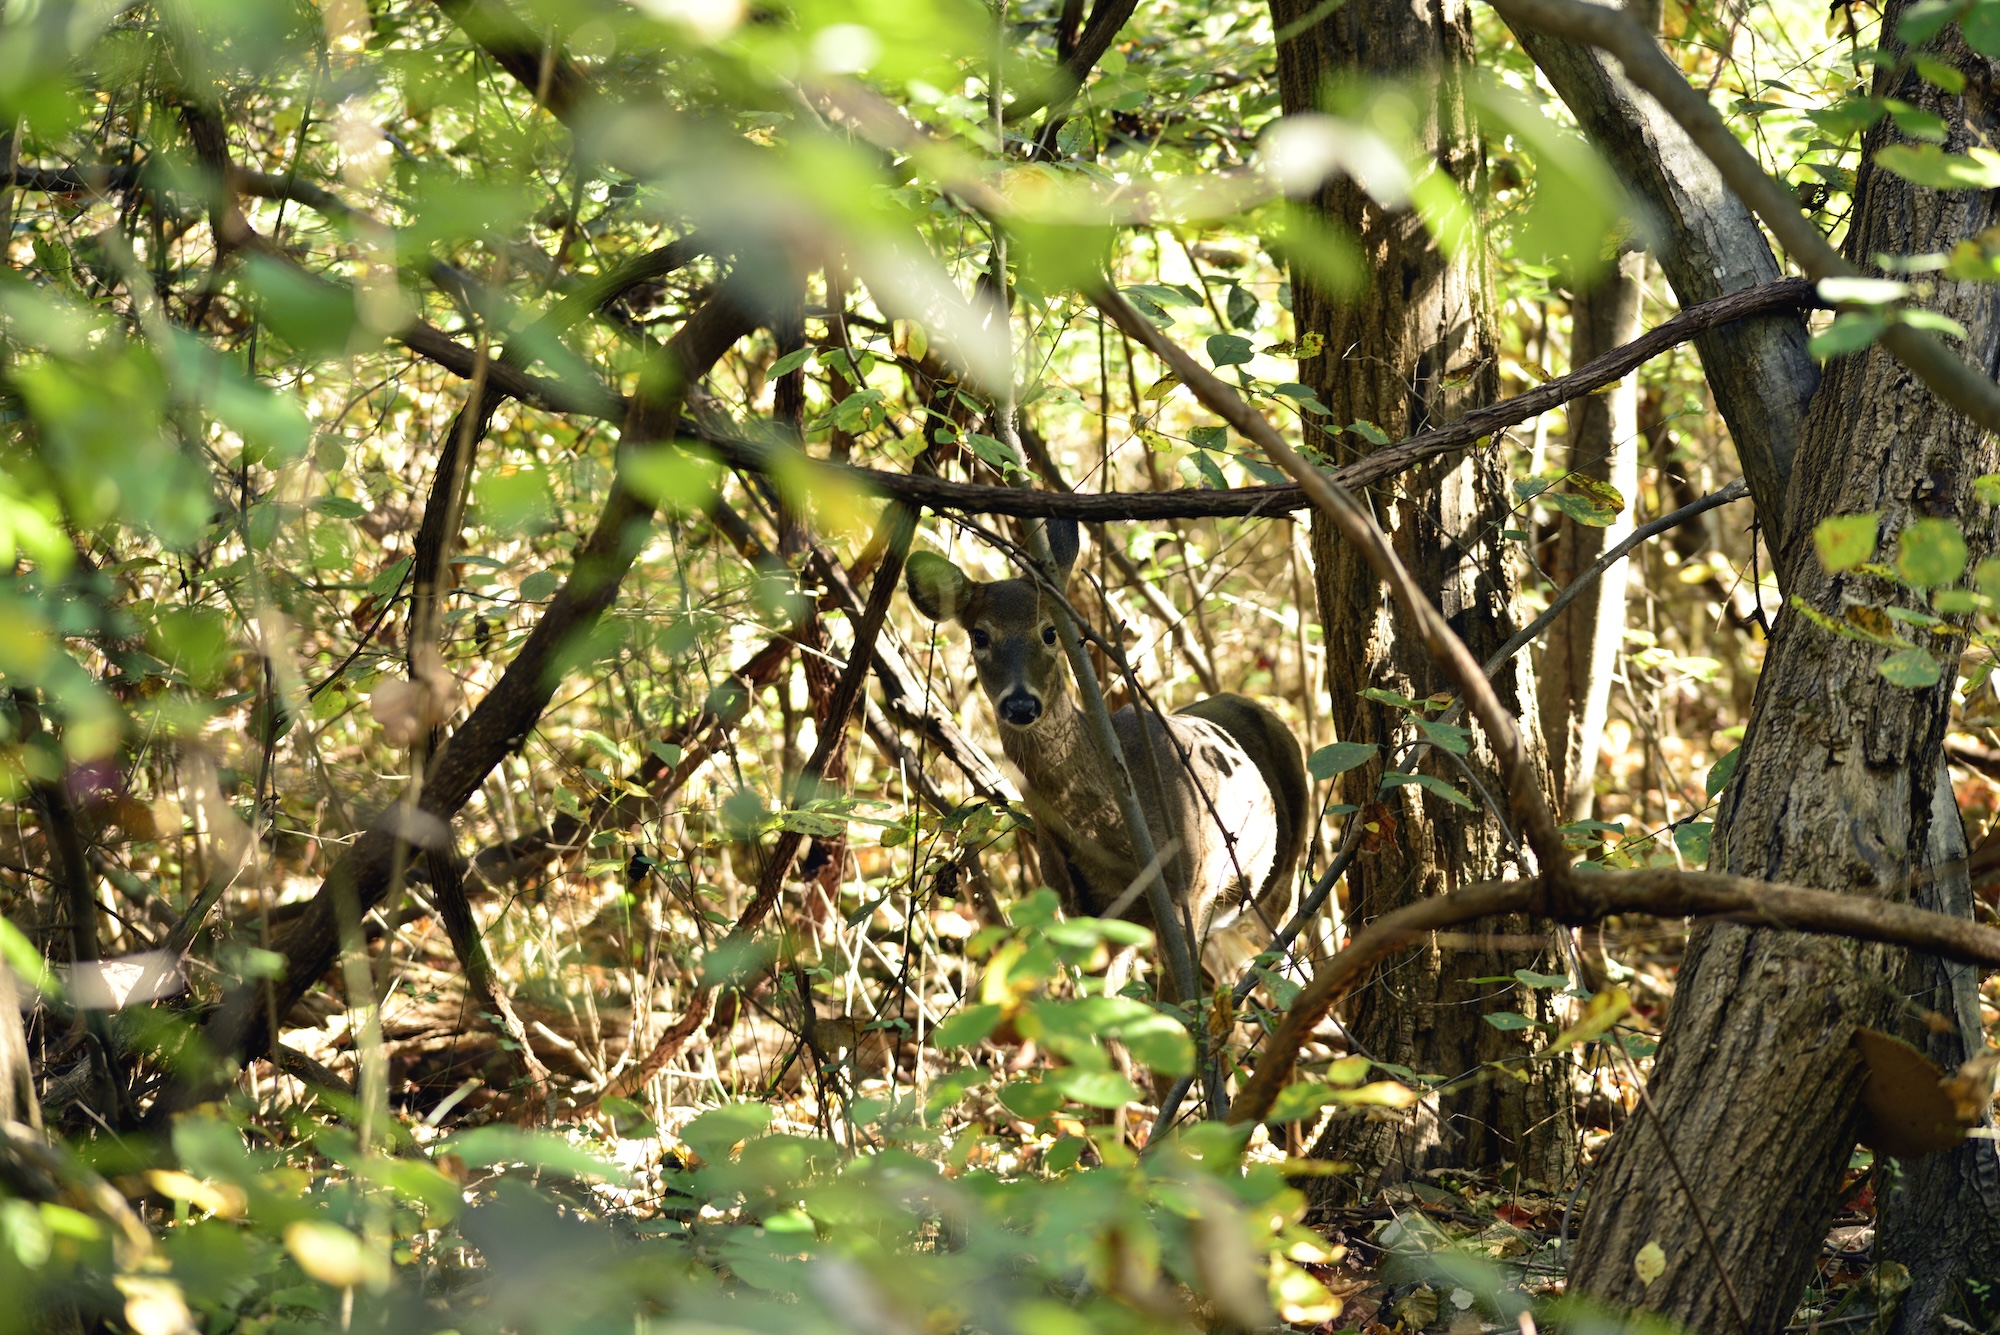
column 1906, row 1109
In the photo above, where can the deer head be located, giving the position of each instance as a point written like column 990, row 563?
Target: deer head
column 1015, row 644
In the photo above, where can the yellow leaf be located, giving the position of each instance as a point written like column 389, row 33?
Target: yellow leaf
column 218, row 1198
column 1606, row 1008
column 1300, row 1299
column 1650, row 1263
column 154, row 1306
column 335, row 1257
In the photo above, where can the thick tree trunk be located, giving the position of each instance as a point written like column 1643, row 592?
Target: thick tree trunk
column 1581, row 653
column 1841, row 785
column 1414, row 350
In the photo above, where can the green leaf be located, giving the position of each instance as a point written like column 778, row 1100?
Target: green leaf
column 966, row 1027
column 1691, row 838
column 1845, row 541
column 1368, row 431
column 1930, row 552
column 1987, row 576
column 316, row 318
column 1918, row 123
column 1339, row 757
column 1242, row 307
column 19, row 953
column 1930, row 166
column 676, row 479
column 1030, row 1100
column 1913, row 668
column 1301, row 395
column 1209, row 438
column 1436, row 785
column 1508, row 1021
column 719, row 1130
column 390, row 579
column 1229, row 350
column 540, row 585
column 1925, row 19
column 1982, row 31
column 1204, row 471
column 1529, row 978
column 1850, row 332
column 1934, row 321
column 791, row 361
column 1950, row 78
column 1161, row 295
column 1094, row 1089
column 1456, row 740
column 1581, row 509
column 1390, row 698
column 1299, row 1100
column 488, row 1146
column 1719, row 772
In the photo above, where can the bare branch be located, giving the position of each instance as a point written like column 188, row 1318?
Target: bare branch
column 1591, row 898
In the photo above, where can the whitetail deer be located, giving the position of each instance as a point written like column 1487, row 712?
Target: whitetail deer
column 1237, row 786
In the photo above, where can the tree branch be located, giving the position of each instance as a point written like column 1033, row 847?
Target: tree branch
column 1947, row 375
column 1582, row 899
column 1524, row 790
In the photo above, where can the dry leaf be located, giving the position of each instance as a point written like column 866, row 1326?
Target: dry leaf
column 1907, row 1111
column 1971, row 1088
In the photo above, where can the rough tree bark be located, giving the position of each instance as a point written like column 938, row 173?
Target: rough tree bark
column 1415, row 349
column 1841, row 785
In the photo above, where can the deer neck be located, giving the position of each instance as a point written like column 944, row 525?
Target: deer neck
column 1060, row 762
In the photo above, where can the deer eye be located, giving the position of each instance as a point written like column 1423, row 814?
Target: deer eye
column 1048, row 634
column 980, row 639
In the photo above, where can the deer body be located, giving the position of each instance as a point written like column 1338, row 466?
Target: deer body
column 1224, row 781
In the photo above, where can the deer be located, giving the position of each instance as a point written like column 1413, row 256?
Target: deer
column 1235, row 792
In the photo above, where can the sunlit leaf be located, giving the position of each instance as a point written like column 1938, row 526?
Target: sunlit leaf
column 1930, row 552
column 1913, row 668
column 1845, row 541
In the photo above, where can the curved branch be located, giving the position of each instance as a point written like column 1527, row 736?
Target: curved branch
column 1591, row 898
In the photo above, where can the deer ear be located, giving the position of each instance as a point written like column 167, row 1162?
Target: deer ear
column 1063, row 543
column 936, row 586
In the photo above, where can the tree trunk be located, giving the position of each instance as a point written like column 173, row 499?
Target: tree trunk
column 1707, row 243
column 1416, row 349
column 17, row 1076
column 1841, row 786
column 1581, row 653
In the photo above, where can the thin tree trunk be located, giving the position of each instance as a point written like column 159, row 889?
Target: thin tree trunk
column 1841, row 785
column 1707, row 243
column 1413, row 350
column 1581, row 652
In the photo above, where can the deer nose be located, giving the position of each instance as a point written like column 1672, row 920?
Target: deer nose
column 1020, row 709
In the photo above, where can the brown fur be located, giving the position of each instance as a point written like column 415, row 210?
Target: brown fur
column 1224, row 777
